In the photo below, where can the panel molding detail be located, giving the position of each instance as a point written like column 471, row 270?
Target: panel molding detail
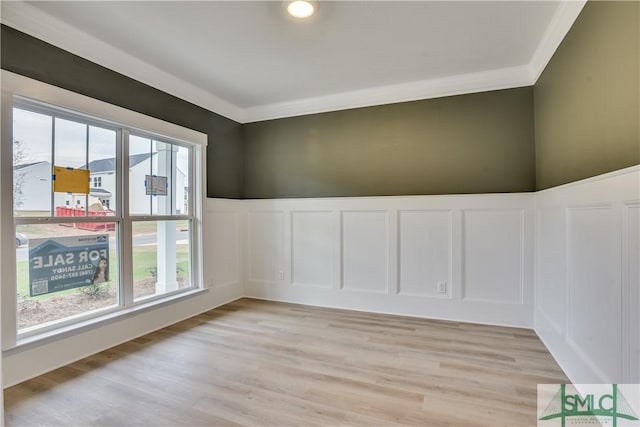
column 493, row 257
column 265, row 246
column 425, row 252
column 312, row 249
column 593, row 280
column 387, row 255
column 364, row 251
column 222, row 240
column 587, row 280
column 631, row 289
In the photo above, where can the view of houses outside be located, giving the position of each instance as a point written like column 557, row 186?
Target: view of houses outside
column 42, row 141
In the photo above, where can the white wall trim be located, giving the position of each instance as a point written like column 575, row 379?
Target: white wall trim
column 593, row 179
column 506, row 78
column 560, row 24
column 35, row 22
column 39, row 91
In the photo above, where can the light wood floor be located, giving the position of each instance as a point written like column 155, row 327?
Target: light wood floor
column 273, row 364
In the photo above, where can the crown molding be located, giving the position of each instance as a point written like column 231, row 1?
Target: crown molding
column 560, row 24
column 31, row 20
column 434, row 88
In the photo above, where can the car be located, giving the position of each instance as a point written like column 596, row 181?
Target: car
column 21, row 239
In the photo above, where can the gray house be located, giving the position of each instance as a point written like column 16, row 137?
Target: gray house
column 32, row 189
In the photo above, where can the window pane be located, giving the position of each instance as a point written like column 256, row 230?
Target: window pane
column 139, row 167
column 159, row 177
column 183, row 175
column 64, row 270
column 163, row 173
column 70, row 150
column 31, row 163
column 161, row 257
column 102, row 166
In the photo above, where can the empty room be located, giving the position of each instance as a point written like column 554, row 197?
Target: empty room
column 328, row 213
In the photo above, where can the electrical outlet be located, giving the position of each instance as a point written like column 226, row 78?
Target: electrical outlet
column 281, row 275
column 442, row 287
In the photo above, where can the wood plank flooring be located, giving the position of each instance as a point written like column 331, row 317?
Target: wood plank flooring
column 273, row 364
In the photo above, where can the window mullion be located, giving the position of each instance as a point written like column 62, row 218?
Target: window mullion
column 194, row 241
column 8, row 259
column 125, row 238
column 86, row 162
column 53, row 162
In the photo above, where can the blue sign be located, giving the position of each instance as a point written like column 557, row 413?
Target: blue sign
column 61, row 263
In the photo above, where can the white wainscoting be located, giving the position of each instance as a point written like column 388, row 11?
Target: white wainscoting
column 312, row 249
column 389, row 255
column 425, row 252
column 222, row 244
column 587, row 280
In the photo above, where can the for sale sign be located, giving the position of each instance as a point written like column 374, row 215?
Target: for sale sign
column 57, row 264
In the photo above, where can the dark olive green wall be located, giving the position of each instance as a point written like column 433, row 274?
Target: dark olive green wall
column 478, row 143
column 585, row 107
column 587, row 114
column 23, row 54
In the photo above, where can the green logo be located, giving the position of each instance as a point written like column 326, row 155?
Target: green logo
column 590, row 408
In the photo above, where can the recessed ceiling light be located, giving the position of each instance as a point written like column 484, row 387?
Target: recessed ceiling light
column 300, row 9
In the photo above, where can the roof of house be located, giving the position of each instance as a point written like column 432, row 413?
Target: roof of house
column 101, row 191
column 107, row 165
column 26, row 165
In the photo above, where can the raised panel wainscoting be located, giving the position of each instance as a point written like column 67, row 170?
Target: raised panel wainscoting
column 464, row 257
column 587, row 282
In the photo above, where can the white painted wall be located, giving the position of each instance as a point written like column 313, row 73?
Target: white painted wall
column 587, row 277
column 387, row 254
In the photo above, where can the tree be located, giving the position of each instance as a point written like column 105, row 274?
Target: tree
column 19, row 158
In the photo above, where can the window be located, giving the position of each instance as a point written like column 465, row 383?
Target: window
column 55, row 269
column 130, row 237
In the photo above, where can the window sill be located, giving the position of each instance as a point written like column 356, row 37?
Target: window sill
column 95, row 322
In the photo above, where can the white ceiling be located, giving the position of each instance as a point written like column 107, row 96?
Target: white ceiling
column 249, row 61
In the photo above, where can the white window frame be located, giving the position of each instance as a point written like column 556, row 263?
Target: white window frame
column 15, row 86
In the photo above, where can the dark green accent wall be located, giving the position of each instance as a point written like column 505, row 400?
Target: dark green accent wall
column 587, row 101
column 581, row 119
column 31, row 57
column 478, row 143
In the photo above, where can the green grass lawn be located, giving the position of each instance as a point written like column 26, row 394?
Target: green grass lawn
column 144, row 266
column 145, row 262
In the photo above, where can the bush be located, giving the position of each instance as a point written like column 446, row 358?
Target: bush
column 96, row 290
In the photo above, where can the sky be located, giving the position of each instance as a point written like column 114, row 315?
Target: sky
column 33, row 130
